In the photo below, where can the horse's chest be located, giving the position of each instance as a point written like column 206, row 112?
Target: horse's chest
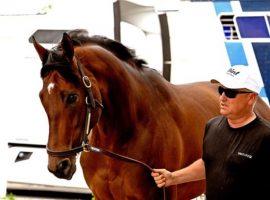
column 117, row 179
column 108, row 181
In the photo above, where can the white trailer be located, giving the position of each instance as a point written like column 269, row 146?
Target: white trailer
column 202, row 38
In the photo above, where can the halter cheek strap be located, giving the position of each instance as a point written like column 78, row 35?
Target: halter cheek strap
column 89, row 100
column 91, row 103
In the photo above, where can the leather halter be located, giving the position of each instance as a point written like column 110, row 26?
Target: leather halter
column 91, row 103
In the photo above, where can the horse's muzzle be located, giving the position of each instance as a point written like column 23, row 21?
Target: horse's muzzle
column 64, row 169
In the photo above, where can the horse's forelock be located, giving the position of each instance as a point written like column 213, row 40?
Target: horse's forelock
column 57, row 62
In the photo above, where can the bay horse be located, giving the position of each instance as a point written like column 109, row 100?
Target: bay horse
column 98, row 94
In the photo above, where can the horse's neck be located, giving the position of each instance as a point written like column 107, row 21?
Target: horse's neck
column 134, row 99
column 122, row 100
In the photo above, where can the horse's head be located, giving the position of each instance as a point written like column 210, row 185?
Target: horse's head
column 67, row 96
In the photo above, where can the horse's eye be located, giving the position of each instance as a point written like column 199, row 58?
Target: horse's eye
column 71, row 98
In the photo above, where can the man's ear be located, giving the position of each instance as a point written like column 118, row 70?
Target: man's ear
column 252, row 97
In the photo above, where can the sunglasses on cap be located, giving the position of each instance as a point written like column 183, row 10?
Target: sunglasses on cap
column 230, row 93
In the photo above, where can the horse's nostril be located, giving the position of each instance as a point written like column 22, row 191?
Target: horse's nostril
column 63, row 165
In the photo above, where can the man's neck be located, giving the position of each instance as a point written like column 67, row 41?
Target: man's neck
column 241, row 121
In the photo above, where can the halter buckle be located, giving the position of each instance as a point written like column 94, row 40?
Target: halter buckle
column 86, row 81
column 85, row 147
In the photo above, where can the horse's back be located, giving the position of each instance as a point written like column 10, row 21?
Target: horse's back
column 262, row 109
column 205, row 95
column 200, row 95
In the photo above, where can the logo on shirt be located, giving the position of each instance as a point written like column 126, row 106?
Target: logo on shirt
column 245, row 155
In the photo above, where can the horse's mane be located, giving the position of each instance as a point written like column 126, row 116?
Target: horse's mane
column 80, row 37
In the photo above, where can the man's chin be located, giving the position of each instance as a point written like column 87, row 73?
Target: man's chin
column 223, row 112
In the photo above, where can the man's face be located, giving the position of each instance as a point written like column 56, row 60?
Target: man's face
column 235, row 106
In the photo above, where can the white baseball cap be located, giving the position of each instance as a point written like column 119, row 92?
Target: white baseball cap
column 238, row 77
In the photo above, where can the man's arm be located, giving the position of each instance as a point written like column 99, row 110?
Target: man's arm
column 193, row 172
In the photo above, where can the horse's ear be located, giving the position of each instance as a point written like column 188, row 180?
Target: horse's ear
column 42, row 52
column 67, row 47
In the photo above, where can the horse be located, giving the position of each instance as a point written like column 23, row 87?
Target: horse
column 99, row 97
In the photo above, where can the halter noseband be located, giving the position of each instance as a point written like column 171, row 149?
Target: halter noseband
column 91, row 103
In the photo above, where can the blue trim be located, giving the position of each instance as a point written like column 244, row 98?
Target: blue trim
column 263, row 92
column 236, row 53
column 255, row 5
column 252, row 26
column 262, row 53
column 222, row 6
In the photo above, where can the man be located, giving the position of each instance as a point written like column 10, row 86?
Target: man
column 236, row 147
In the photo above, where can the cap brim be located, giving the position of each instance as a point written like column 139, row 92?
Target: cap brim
column 227, row 82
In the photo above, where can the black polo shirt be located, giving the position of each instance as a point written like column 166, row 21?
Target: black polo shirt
column 237, row 160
